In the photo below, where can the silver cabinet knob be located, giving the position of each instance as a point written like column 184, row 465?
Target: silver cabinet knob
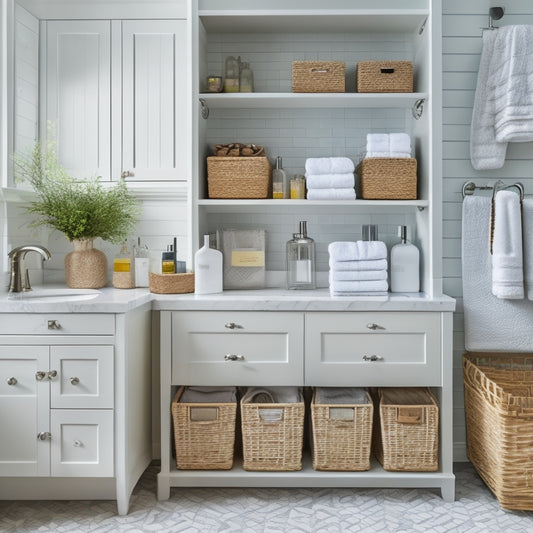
column 12, row 381
column 127, row 174
column 40, row 375
column 44, row 435
column 373, row 326
column 372, row 358
column 54, row 324
column 74, row 381
column 78, row 443
column 233, row 357
column 52, row 374
column 232, row 325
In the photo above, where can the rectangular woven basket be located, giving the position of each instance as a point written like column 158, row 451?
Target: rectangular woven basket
column 384, row 77
column 203, row 444
column 171, row 283
column 407, row 435
column 342, row 435
column 387, row 178
column 239, row 177
column 318, row 76
column 498, row 390
column 272, row 435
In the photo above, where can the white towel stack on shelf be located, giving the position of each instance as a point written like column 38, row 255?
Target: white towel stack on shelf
column 330, row 178
column 388, row 145
column 358, row 268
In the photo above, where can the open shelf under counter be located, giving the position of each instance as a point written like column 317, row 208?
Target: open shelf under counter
column 310, row 100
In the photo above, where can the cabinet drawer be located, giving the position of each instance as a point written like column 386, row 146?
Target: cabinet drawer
column 373, row 349
column 57, row 324
column 237, row 348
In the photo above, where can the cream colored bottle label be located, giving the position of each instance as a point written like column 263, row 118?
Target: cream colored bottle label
column 247, row 258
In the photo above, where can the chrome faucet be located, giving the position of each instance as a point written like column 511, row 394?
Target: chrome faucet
column 19, row 278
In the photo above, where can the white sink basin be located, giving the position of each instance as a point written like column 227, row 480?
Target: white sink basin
column 55, row 295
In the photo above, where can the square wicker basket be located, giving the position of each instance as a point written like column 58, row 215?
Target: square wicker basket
column 498, row 391
column 407, row 435
column 239, row 177
column 272, row 435
column 318, row 76
column 384, row 77
column 204, row 434
column 387, row 178
column 341, row 435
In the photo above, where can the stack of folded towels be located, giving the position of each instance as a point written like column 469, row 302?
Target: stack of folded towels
column 388, row 145
column 330, row 178
column 358, row 268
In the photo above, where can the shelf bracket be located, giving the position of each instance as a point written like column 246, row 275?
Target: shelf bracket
column 204, row 111
column 421, row 207
column 418, row 108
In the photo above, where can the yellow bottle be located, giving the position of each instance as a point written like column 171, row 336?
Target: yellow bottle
column 123, row 275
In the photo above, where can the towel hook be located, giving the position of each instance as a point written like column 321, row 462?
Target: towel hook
column 495, row 13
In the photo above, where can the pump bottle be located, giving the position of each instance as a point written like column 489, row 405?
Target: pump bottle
column 405, row 265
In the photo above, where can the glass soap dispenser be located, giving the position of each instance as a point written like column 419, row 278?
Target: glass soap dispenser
column 300, row 260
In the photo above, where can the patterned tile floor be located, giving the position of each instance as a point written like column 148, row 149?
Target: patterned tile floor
column 276, row 511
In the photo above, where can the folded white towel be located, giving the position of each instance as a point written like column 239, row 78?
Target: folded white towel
column 208, row 395
column 277, row 394
column 357, row 275
column 399, row 155
column 328, row 165
column 330, row 181
column 507, row 256
column 380, row 295
column 359, row 286
column 341, row 395
column 356, row 265
column 378, row 142
column 527, row 232
column 400, row 143
column 357, row 251
column 331, row 194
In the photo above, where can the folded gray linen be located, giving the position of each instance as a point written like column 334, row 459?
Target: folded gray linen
column 272, row 395
column 209, row 395
column 341, row 395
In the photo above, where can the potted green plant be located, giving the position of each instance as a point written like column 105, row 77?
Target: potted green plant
column 80, row 209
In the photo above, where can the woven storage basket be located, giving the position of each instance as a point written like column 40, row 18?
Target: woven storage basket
column 272, row 445
column 341, row 435
column 407, row 436
column 384, row 77
column 203, row 444
column 498, row 391
column 238, row 177
column 385, row 178
column 318, row 76
column 171, row 283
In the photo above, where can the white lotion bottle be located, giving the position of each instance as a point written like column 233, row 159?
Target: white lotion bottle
column 405, row 265
column 207, row 269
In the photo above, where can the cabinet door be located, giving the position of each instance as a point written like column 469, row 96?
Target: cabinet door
column 82, row 443
column 154, row 100
column 24, row 409
column 78, row 99
column 84, row 377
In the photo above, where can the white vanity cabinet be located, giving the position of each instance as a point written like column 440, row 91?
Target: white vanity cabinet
column 75, row 413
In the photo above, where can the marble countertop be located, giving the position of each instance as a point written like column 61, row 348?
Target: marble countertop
column 109, row 300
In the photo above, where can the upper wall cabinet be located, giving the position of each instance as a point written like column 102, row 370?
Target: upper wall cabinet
column 114, row 97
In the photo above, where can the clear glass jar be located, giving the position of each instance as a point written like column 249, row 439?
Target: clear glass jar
column 246, row 83
column 298, row 187
column 232, row 74
column 300, row 260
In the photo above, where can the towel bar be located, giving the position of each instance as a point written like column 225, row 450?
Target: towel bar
column 469, row 187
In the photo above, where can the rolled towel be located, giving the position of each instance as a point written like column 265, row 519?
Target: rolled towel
column 331, row 194
column 330, row 181
column 328, row 165
column 359, row 286
column 373, row 264
column 357, row 275
column 378, row 142
column 357, row 251
column 400, row 143
column 399, row 155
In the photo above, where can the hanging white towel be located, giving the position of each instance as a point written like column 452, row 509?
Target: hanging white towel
column 331, row 194
column 527, row 235
column 491, row 324
column 345, row 180
column 328, row 165
column 507, row 257
column 357, row 251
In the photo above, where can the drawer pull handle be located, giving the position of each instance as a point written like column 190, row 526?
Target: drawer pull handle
column 52, row 374
column 372, row 358
column 232, row 325
column 12, row 381
column 44, row 435
column 74, row 381
column 40, row 375
column 233, row 357
column 373, row 326
column 54, row 324
column 78, row 443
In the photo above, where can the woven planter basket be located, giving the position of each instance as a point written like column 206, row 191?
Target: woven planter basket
column 499, row 424
column 203, row 444
column 239, row 177
column 171, row 283
column 407, row 435
column 318, row 76
column 272, row 445
column 342, row 435
column 384, row 178
column 384, row 77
